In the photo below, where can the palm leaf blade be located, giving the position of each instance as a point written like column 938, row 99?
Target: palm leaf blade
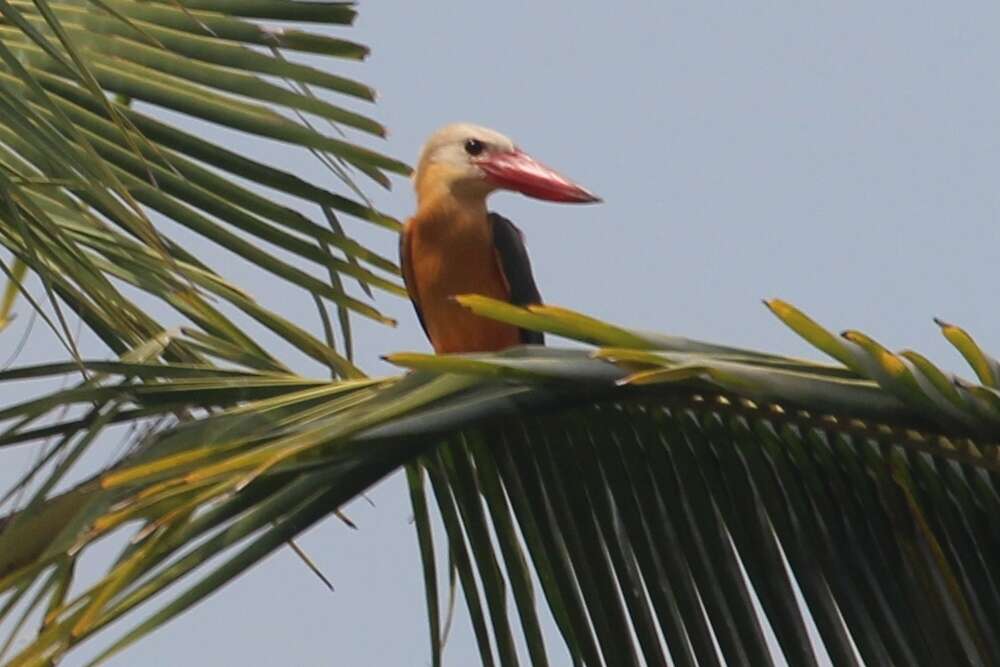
column 654, row 514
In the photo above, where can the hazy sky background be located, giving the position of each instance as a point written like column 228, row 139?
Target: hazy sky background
column 842, row 157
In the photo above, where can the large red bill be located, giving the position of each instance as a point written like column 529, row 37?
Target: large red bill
column 516, row 170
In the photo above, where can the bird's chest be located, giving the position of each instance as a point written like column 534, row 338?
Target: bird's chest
column 452, row 260
column 456, row 261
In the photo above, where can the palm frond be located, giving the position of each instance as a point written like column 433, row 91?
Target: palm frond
column 677, row 501
column 86, row 168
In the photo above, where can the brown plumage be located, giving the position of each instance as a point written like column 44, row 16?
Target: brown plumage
column 453, row 245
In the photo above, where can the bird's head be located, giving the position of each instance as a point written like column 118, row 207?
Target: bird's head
column 469, row 161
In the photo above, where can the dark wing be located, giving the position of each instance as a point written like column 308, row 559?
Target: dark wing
column 406, row 268
column 516, row 269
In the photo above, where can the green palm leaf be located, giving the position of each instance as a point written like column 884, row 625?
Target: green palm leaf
column 83, row 173
column 674, row 500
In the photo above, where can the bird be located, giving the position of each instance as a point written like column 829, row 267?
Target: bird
column 454, row 245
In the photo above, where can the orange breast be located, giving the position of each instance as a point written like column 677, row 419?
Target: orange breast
column 451, row 255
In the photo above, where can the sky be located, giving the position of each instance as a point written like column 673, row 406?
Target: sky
column 842, row 157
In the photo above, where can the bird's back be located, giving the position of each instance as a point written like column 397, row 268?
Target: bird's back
column 512, row 257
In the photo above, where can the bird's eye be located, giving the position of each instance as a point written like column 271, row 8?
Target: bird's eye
column 474, row 146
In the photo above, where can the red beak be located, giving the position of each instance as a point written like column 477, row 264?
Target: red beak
column 516, row 170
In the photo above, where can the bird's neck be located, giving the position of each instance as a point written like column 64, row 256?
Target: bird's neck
column 452, row 223
column 446, row 205
column 441, row 212
column 441, row 195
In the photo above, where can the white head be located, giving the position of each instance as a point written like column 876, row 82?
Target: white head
column 466, row 160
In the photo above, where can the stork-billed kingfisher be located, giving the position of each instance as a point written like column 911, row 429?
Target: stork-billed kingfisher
column 453, row 245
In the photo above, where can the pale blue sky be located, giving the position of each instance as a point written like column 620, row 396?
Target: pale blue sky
column 844, row 157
